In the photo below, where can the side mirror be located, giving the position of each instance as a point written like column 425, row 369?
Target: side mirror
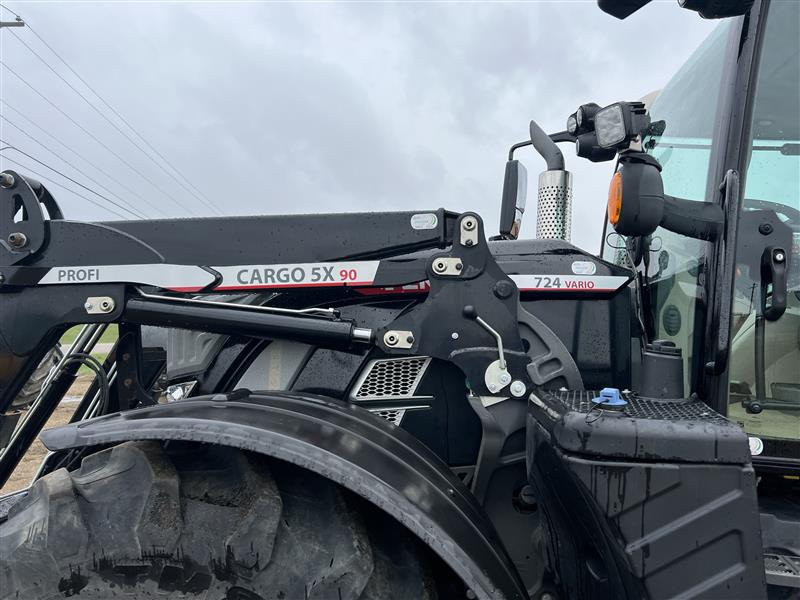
column 515, row 190
column 708, row 9
column 637, row 204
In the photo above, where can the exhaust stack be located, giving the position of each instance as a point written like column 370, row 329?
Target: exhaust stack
column 554, row 209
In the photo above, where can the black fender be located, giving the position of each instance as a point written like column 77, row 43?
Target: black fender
column 356, row 449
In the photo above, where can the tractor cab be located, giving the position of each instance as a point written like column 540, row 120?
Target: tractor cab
column 706, row 124
column 725, row 134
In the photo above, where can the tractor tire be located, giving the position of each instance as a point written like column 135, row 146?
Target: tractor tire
column 199, row 521
column 30, row 391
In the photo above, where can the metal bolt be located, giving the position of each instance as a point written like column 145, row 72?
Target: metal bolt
column 780, row 257
column 390, row 339
column 17, row 239
column 517, row 388
column 2, row 279
column 505, row 378
column 410, row 339
column 492, row 388
column 88, row 306
column 471, row 595
column 459, row 266
column 468, row 223
column 6, row 180
column 128, row 382
column 503, row 289
column 765, row 228
column 468, row 242
column 439, row 266
column 454, row 335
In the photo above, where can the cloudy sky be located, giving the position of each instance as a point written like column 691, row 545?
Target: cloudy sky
column 319, row 107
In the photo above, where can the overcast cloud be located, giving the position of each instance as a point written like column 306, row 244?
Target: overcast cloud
column 279, row 108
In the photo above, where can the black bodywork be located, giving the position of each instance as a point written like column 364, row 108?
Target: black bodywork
column 414, row 284
column 652, row 501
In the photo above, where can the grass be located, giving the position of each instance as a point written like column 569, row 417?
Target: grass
column 109, row 335
column 100, row 356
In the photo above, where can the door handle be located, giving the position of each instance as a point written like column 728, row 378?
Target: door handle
column 773, row 272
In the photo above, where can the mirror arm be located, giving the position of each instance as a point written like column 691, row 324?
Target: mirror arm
column 562, row 136
column 698, row 220
column 516, row 146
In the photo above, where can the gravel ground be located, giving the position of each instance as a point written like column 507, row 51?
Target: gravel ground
column 27, row 467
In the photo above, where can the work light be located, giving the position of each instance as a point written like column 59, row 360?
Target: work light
column 572, row 124
column 617, row 124
column 585, row 115
column 609, row 125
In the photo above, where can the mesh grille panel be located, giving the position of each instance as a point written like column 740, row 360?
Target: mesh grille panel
column 643, row 408
column 393, row 415
column 392, row 378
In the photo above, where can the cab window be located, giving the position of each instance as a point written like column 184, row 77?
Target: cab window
column 675, row 304
column 764, row 372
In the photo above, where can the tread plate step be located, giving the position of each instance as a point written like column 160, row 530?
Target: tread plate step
column 782, row 570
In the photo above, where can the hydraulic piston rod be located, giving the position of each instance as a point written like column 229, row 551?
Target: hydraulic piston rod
column 321, row 332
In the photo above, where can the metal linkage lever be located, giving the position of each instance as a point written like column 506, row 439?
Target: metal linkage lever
column 498, row 339
column 461, row 307
column 496, row 376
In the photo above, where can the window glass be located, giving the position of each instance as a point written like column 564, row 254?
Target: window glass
column 765, row 354
column 686, row 108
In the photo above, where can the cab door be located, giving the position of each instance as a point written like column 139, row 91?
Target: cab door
column 764, row 364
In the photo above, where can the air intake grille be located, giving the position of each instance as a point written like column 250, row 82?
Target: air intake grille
column 391, row 378
column 393, row 415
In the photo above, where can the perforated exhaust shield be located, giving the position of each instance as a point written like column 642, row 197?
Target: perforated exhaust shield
column 554, row 211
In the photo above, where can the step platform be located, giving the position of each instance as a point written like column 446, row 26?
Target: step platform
column 644, row 497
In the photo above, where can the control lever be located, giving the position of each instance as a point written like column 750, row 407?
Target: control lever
column 496, row 376
column 773, row 271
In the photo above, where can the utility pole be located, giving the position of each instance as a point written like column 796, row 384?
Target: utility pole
column 16, row 23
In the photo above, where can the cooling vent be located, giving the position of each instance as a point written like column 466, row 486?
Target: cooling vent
column 391, row 378
column 393, row 415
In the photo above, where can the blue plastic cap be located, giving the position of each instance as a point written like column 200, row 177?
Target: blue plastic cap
column 610, row 397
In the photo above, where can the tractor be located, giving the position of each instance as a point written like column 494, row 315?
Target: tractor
column 406, row 405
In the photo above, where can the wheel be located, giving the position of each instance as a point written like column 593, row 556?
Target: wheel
column 30, row 391
column 207, row 522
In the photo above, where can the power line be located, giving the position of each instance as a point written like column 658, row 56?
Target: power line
column 113, row 110
column 78, row 183
column 91, row 135
column 64, row 160
column 50, row 181
column 112, row 123
column 76, row 153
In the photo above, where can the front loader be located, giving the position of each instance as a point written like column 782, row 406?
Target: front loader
column 399, row 405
